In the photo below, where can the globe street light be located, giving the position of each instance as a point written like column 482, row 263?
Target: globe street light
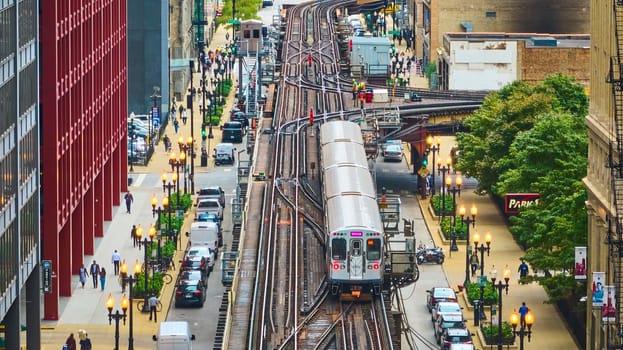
column 117, row 316
column 145, row 242
column 454, row 190
column 482, row 248
column 468, row 220
column 500, row 287
column 125, row 279
column 525, row 329
column 166, row 185
column 443, row 170
column 433, row 148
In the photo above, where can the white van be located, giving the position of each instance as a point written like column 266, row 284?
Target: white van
column 461, row 346
column 174, row 336
column 204, row 233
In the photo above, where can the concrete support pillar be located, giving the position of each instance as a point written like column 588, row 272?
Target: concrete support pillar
column 33, row 310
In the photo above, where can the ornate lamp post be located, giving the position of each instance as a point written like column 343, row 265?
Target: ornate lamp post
column 443, row 170
column 525, row 329
column 454, row 190
column 155, row 96
column 187, row 149
column 132, row 131
column 159, row 210
column 468, row 220
column 175, row 166
column 125, row 279
column 145, row 242
column 117, row 316
column 500, row 287
column 433, row 148
column 482, row 248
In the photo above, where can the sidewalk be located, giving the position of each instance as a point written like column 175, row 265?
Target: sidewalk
column 86, row 308
column 549, row 330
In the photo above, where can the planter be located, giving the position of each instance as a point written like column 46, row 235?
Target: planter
column 442, row 237
column 469, row 305
column 491, row 342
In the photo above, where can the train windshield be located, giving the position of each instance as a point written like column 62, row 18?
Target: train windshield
column 338, row 249
column 374, row 249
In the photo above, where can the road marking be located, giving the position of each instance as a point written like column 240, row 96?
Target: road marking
column 139, row 180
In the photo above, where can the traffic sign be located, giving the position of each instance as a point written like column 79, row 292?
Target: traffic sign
column 393, row 32
column 233, row 21
column 47, row 276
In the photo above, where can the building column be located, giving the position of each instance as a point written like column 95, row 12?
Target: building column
column 107, row 179
column 33, row 310
column 98, row 206
column 12, row 330
column 89, row 223
column 63, row 268
column 77, row 238
column 116, row 186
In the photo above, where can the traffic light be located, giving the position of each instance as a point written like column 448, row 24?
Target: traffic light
column 203, row 133
column 311, row 116
column 425, row 159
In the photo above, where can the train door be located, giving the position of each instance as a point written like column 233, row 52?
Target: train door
column 356, row 260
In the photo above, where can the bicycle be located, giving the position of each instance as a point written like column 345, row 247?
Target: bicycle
column 141, row 304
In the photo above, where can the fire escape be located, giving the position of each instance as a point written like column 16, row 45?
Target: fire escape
column 612, row 324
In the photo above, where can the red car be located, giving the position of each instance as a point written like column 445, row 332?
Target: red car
column 437, row 294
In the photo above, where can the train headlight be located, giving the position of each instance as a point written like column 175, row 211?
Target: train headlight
column 336, row 266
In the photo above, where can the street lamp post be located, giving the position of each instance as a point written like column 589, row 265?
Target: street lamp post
column 433, row 148
column 187, row 149
column 189, row 102
column 159, row 210
column 175, row 166
column 468, row 221
column 117, row 316
column 482, row 248
column 132, row 130
column 454, row 190
column 125, row 279
column 155, row 96
column 525, row 328
column 500, row 287
column 166, row 202
column 443, row 170
column 145, row 242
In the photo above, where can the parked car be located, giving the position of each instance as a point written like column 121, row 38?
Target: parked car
column 194, row 275
column 239, row 116
column 392, row 152
column 455, row 336
column 197, row 263
column 211, row 217
column 190, row 293
column 437, row 294
column 445, row 308
column 447, row 321
column 205, row 252
column 209, row 206
column 212, row 192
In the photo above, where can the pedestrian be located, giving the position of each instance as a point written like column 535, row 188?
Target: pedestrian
column 116, row 260
column 184, row 116
column 102, row 278
column 153, row 303
column 523, row 310
column 123, row 278
column 176, row 125
column 128, row 202
column 95, row 272
column 70, row 343
column 133, row 235
column 474, row 262
column 167, row 143
column 85, row 344
column 83, row 275
column 523, row 269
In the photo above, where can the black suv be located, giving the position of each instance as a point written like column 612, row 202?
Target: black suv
column 190, row 293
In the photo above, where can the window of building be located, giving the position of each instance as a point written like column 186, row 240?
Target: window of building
column 491, row 14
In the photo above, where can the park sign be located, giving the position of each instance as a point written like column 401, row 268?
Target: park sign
column 513, row 202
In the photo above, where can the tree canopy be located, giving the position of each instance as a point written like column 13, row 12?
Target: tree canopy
column 532, row 139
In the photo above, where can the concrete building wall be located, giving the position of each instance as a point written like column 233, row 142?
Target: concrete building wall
column 481, row 65
column 600, row 124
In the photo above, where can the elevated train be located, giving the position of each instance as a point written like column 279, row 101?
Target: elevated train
column 352, row 219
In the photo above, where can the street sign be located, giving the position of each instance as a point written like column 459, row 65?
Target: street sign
column 233, row 21
column 393, row 32
column 46, row 265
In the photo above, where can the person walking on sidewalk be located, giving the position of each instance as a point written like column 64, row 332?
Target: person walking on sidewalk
column 184, row 116
column 474, row 262
column 133, row 236
column 83, row 273
column 523, row 269
column 523, row 310
column 176, row 125
column 128, row 202
column 153, row 304
column 95, row 272
column 116, row 260
column 102, row 278
column 85, row 344
column 70, row 343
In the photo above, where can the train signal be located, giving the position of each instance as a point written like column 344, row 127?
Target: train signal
column 311, row 116
column 350, row 45
column 309, row 59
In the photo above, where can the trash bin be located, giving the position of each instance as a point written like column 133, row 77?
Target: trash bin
column 369, row 95
column 204, row 158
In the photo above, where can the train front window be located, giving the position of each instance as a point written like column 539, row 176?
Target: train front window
column 338, row 249
column 374, row 249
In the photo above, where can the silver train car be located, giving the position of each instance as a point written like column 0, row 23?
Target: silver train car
column 353, row 222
